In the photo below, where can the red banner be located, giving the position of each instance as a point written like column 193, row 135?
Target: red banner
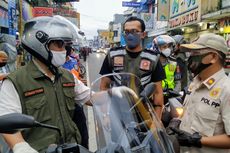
column 42, row 11
column 65, row 12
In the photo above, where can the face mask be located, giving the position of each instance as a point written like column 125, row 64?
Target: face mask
column 195, row 64
column 166, row 52
column 59, row 58
column 132, row 40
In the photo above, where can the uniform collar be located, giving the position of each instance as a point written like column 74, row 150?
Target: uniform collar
column 209, row 82
column 38, row 72
column 212, row 80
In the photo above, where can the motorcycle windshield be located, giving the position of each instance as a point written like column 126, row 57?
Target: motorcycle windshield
column 125, row 119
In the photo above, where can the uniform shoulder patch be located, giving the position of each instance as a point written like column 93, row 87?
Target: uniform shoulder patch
column 214, row 93
column 145, row 64
column 33, row 92
column 118, row 61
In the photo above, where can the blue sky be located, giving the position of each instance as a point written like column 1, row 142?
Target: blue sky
column 96, row 14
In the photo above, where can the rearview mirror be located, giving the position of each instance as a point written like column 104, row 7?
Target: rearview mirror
column 12, row 123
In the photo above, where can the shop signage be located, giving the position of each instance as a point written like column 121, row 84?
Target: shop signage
column 163, row 10
column 4, row 18
column 183, row 13
column 131, row 4
column 148, row 18
column 185, row 19
column 64, row 12
column 12, row 17
column 42, row 11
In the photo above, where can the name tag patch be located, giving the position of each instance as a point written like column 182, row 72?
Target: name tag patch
column 69, row 84
column 145, row 64
column 118, row 61
column 33, row 92
column 209, row 102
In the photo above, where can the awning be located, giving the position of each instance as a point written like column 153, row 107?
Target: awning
column 216, row 15
column 157, row 32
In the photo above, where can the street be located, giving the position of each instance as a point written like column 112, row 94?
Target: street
column 93, row 65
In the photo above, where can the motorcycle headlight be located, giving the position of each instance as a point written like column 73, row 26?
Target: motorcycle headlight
column 179, row 111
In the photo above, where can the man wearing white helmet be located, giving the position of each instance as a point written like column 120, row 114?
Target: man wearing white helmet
column 42, row 89
column 205, row 124
column 165, row 45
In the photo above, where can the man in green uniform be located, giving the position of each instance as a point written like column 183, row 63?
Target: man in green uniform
column 42, row 89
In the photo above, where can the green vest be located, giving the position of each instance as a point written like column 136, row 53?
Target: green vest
column 170, row 69
column 142, row 66
column 49, row 103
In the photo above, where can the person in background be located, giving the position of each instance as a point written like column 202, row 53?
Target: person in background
column 181, row 75
column 3, row 61
column 205, row 123
column 7, row 44
column 79, row 115
column 71, row 63
column 165, row 45
column 133, row 58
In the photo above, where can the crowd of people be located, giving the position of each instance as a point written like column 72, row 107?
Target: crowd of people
column 49, row 88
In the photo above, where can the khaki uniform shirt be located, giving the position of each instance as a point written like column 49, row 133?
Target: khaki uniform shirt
column 207, row 110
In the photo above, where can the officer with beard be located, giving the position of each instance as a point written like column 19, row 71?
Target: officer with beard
column 205, row 124
column 133, row 58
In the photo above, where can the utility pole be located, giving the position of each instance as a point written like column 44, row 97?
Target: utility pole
column 20, row 17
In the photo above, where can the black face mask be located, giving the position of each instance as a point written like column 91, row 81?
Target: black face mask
column 2, row 64
column 132, row 40
column 195, row 64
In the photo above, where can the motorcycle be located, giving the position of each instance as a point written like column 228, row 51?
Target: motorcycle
column 173, row 107
column 125, row 121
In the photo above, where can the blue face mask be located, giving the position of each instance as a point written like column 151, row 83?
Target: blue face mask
column 132, row 40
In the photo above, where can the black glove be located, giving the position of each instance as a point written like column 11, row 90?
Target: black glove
column 186, row 139
column 174, row 123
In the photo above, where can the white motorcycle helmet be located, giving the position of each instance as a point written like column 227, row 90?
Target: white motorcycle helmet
column 38, row 32
column 163, row 40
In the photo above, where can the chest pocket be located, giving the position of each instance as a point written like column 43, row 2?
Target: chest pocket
column 69, row 99
column 205, row 119
column 37, row 106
